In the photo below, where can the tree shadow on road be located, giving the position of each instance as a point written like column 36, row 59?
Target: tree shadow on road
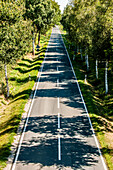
column 41, row 145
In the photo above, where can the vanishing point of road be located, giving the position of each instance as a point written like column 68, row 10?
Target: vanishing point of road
column 58, row 133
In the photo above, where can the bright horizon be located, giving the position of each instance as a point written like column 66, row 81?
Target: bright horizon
column 62, row 4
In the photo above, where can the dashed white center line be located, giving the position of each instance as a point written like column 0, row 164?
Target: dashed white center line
column 58, row 120
column 59, row 148
column 57, row 82
column 59, row 140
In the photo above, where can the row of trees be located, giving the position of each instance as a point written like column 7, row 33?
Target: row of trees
column 20, row 21
column 90, row 26
column 44, row 14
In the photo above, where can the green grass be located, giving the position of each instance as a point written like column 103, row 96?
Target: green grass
column 100, row 106
column 20, row 90
column 3, row 102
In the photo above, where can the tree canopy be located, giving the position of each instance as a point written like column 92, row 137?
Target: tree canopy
column 18, row 20
column 43, row 13
column 57, row 13
column 15, row 32
column 90, row 24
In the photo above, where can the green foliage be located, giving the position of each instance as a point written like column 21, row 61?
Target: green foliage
column 15, row 32
column 57, row 13
column 66, row 18
column 40, row 12
column 90, row 25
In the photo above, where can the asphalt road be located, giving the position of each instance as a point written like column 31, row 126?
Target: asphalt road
column 58, row 133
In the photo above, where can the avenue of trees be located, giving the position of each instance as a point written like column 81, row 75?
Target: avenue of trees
column 90, row 26
column 20, row 22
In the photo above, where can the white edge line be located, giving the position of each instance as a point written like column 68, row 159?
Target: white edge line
column 105, row 167
column 59, row 148
column 21, row 139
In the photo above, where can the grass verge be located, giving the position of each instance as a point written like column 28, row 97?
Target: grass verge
column 22, row 77
column 99, row 105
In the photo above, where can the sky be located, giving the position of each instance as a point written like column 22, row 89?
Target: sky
column 62, row 4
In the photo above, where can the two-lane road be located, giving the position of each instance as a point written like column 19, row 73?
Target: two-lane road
column 58, row 134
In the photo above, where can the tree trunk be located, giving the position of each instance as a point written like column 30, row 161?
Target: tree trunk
column 35, row 37
column 39, row 38
column 77, row 49
column 87, row 62
column 81, row 54
column 106, row 77
column 73, row 57
column 85, row 56
column 96, row 69
column 6, row 78
column 85, row 78
column 33, row 44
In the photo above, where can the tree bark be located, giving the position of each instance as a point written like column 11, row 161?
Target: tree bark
column 77, row 49
column 39, row 38
column 85, row 56
column 35, row 37
column 96, row 69
column 106, row 77
column 85, row 78
column 6, row 78
column 81, row 54
column 33, row 44
column 87, row 62
column 73, row 57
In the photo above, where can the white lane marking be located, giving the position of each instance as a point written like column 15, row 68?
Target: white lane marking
column 58, row 103
column 57, row 68
column 21, row 139
column 58, row 120
column 59, row 148
column 57, row 82
column 96, row 141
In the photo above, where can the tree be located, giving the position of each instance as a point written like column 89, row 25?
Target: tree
column 41, row 14
column 90, row 26
column 14, row 33
column 66, row 19
column 57, row 13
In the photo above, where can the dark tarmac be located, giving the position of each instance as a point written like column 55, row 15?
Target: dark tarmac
column 58, row 134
